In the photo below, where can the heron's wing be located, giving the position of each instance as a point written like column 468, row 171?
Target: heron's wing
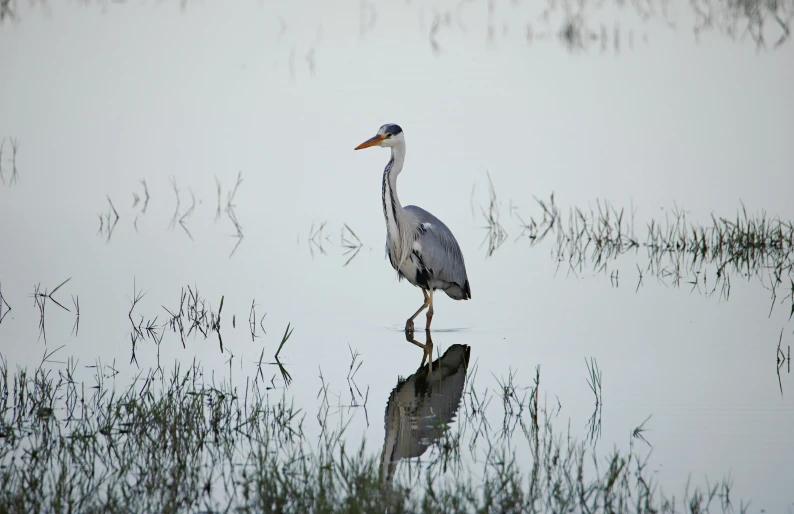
column 441, row 392
column 439, row 249
column 440, row 406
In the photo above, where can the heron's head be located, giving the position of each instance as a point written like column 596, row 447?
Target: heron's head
column 388, row 135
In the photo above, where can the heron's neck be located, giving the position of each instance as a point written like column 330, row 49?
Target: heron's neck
column 393, row 169
column 392, row 209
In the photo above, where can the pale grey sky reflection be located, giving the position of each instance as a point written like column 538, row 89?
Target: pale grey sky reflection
column 100, row 101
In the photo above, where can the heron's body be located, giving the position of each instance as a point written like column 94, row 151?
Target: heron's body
column 419, row 246
column 429, row 265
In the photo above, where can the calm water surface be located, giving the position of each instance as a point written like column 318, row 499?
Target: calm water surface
column 100, row 100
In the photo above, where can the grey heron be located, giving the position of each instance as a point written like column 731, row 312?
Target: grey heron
column 421, row 408
column 420, row 247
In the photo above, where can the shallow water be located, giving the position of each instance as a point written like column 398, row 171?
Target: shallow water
column 100, row 99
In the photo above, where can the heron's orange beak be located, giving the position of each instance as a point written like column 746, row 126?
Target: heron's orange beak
column 373, row 141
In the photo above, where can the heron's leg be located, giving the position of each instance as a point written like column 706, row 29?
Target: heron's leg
column 428, row 354
column 427, row 348
column 429, row 313
column 409, row 325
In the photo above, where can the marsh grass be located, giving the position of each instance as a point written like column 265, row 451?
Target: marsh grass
column 76, row 326
column 357, row 399
column 495, row 234
column 350, row 246
column 40, row 300
column 578, row 25
column 136, row 199
column 8, row 11
column 783, row 359
column 320, row 236
column 704, row 257
column 187, row 213
column 177, row 217
column 317, row 237
column 4, row 307
column 106, row 226
column 183, row 442
column 594, row 382
column 109, row 219
column 230, row 210
column 14, row 141
column 195, row 316
column 284, row 374
column 252, row 324
column 582, row 26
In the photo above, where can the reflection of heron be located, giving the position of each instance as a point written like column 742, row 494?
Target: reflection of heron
column 420, row 247
column 421, row 406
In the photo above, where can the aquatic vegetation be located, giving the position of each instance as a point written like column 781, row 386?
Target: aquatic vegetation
column 578, row 26
column 12, row 161
column 755, row 247
column 182, row 442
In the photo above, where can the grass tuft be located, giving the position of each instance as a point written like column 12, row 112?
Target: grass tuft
column 678, row 252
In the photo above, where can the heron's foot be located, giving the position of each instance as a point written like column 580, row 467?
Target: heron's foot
column 428, row 351
column 428, row 357
column 409, row 329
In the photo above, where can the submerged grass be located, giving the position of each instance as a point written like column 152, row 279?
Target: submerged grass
column 183, row 443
